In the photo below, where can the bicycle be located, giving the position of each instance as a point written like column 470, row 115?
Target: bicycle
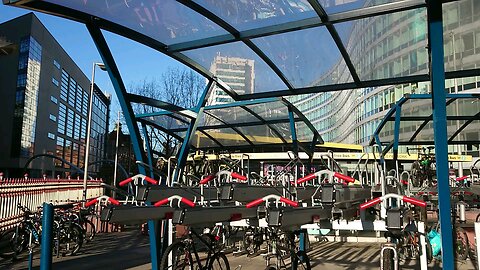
column 283, row 245
column 423, row 169
column 185, row 253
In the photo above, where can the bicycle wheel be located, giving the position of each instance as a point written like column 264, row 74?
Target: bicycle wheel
column 71, row 239
column 252, row 241
column 388, row 260
column 461, row 244
column 177, row 256
column 301, row 261
column 6, row 243
column 89, row 230
column 219, row 262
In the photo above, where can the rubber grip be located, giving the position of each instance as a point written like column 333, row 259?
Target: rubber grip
column 254, row 203
column 238, row 176
column 306, row 178
column 344, row 177
column 161, row 202
column 370, row 203
column 289, row 202
column 151, row 180
column 188, row 202
column 414, row 201
column 461, row 178
column 207, row 179
column 92, row 202
column 113, row 201
column 126, row 181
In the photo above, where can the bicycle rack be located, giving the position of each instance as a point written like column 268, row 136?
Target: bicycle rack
column 389, row 246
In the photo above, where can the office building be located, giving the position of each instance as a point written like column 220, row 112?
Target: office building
column 44, row 98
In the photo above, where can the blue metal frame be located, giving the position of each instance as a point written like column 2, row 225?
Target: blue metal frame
column 148, row 148
column 121, row 92
column 396, row 131
column 183, row 153
column 47, row 237
column 435, row 27
column 293, row 131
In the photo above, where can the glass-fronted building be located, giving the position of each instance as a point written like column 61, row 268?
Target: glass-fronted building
column 388, row 46
column 45, row 104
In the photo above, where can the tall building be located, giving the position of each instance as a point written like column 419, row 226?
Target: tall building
column 239, row 73
column 44, row 98
column 394, row 45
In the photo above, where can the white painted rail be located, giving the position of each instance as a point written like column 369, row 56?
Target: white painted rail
column 32, row 192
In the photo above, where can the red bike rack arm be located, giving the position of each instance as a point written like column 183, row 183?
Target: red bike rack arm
column 406, row 199
column 238, row 176
column 207, row 179
column 461, row 178
column 272, row 196
column 343, row 177
column 126, row 181
column 169, row 199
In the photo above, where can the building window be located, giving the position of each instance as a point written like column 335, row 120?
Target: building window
column 55, row 82
column 54, row 99
column 53, row 118
column 51, row 136
column 62, row 112
column 64, row 87
column 56, row 64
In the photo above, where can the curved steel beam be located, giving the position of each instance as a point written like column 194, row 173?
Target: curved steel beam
column 265, row 123
column 305, row 120
column 234, row 32
column 232, row 127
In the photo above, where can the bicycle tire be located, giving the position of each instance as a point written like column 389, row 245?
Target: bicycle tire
column 388, row 260
column 218, row 257
column 71, row 239
column 89, row 229
column 6, row 243
column 301, row 261
column 180, row 254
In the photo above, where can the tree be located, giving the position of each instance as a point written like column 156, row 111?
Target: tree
column 178, row 86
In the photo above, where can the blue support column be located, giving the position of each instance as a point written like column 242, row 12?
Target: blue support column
column 293, row 130
column 47, row 237
column 192, row 127
column 149, row 150
column 396, row 130
column 435, row 27
column 121, row 92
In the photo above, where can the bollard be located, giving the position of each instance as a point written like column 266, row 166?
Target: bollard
column 47, row 236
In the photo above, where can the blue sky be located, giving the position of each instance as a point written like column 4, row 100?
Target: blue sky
column 135, row 61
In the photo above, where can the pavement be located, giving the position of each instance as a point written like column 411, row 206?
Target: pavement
column 130, row 250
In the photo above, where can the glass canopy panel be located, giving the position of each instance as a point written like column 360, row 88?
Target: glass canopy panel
column 249, row 14
column 168, row 122
column 460, row 19
column 260, row 134
column 304, row 133
column 233, row 115
column 200, row 140
column 470, row 133
column 239, row 67
column 408, row 128
column 167, row 21
column 387, row 46
column 463, row 107
column 226, row 137
column 337, row 6
column 271, row 110
column 417, row 107
column 306, row 57
column 284, row 130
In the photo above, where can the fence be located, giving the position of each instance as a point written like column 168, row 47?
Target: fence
column 33, row 192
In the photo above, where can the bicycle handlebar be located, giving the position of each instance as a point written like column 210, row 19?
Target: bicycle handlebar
column 144, row 177
column 272, row 196
column 94, row 201
column 171, row 198
column 406, row 199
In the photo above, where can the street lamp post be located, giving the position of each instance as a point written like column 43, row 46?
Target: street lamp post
column 89, row 126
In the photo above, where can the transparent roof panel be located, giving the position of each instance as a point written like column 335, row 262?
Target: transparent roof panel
column 232, row 115
column 377, row 45
column 239, row 67
column 408, row 128
column 226, row 137
column 463, row 107
column 167, row 20
column 261, row 134
column 169, row 121
column 470, row 133
column 249, row 14
column 200, row 140
column 284, row 130
column 271, row 111
column 337, row 6
column 304, row 134
column 417, row 107
column 292, row 52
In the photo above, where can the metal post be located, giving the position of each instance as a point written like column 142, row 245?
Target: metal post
column 47, row 236
column 116, row 156
column 437, row 70
column 423, row 246
column 89, row 127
